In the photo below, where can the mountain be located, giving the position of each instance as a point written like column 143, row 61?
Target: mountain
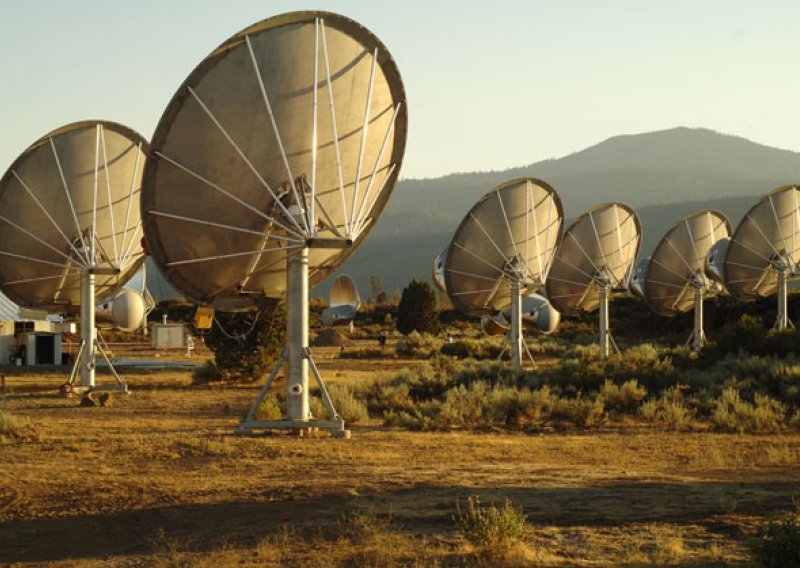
column 664, row 175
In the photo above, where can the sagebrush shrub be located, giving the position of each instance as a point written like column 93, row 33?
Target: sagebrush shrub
column 625, row 398
column 15, row 428
column 779, row 545
column 490, row 527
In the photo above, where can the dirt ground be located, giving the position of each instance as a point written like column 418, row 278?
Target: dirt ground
column 158, row 478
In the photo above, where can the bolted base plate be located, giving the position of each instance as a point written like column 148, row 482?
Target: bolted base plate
column 302, row 427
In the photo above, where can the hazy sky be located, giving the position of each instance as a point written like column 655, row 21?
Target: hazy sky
column 491, row 83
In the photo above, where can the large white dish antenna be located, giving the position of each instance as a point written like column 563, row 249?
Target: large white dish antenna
column 69, row 205
column 764, row 251
column 503, row 250
column 288, row 137
column 70, row 228
column 594, row 260
column 675, row 280
column 269, row 166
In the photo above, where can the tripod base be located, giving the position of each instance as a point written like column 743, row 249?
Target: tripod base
column 85, row 389
column 335, row 424
column 506, row 346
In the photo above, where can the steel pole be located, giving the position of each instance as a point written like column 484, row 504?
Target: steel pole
column 783, row 313
column 88, row 331
column 516, row 325
column 604, row 328
column 698, row 336
column 297, row 337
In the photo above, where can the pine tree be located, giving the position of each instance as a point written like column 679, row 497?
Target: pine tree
column 418, row 309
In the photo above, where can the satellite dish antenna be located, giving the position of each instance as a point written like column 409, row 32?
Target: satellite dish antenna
column 437, row 270
column 269, row 166
column 502, row 251
column 70, row 229
column 763, row 252
column 595, row 259
column 674, row 279
column 343, row 302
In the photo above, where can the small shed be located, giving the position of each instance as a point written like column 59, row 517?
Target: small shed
column 169, row 335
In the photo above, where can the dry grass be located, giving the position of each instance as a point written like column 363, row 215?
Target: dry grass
column 158, row 479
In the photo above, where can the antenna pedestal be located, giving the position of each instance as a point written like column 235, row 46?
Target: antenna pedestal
column 782, row 321
column 515, row 331
column 698, row 338
column 85, row 363
column 605, row 340
column 87, row 360
column 298, row 360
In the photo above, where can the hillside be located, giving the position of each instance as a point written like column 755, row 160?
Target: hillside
column 664, row 175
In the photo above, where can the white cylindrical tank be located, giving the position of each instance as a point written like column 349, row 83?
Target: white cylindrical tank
column 539, row 315
column 126, row 310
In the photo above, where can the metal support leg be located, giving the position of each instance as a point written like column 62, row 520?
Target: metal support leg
column 88, row 362
column 698, row 334
column 515, row 331
column 782, row 321
column 263, row 392
column 76, row 365
column 503, row 347
column 528, row 351
column 604, row 326
column 297, row 337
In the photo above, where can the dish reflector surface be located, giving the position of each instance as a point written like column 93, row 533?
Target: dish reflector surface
column 601, row 245
column 68, row 204
column 678, row 263
column 509, row 235
column 290, row 134
column 767, row 238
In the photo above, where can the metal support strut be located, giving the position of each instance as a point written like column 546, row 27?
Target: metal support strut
column 297, row 358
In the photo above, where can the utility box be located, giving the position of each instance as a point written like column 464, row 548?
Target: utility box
column 169, row 335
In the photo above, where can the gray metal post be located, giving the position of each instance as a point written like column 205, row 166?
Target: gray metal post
column 297, row 337
column 604, row 327
column 698, row 336
column 88, row 361
column 516, row 325
column 783, row 313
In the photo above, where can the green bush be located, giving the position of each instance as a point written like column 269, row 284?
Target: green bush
column 779, row 545
column 270, row 409
column 366, row 353
column 206, row 373
column 490, row 527
column 733, row 414
column 578, row 411
column 347, row 405
column 668, row 410
column 622, row 399
column 418, row 309
column 246, row 345
column 461, row 349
